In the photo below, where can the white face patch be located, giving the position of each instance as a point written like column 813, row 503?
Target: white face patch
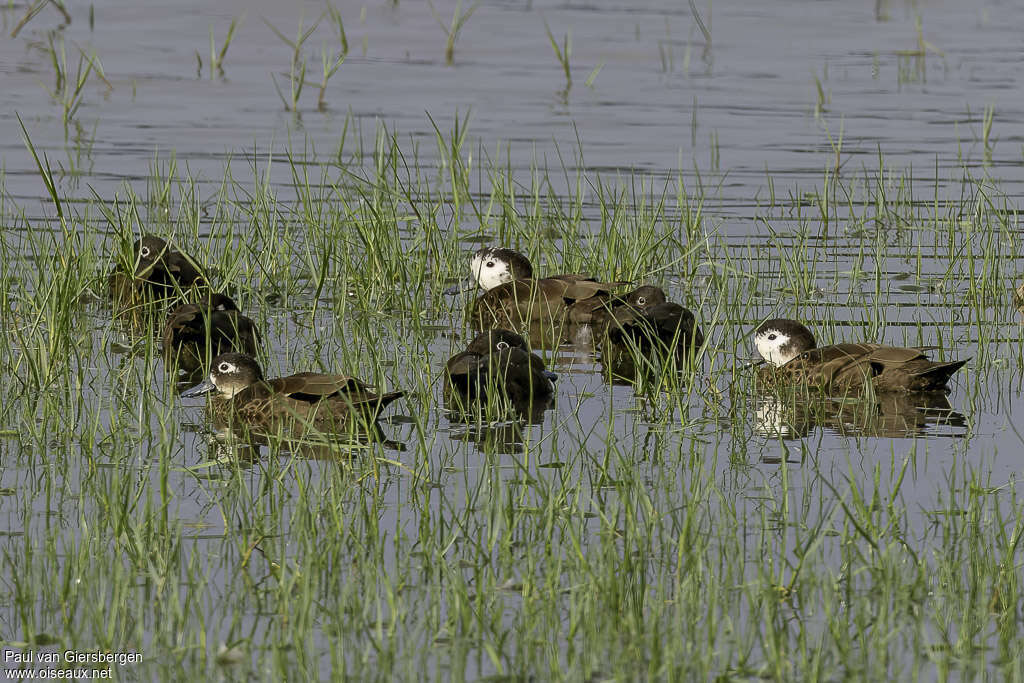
column 770, row 345
column 227, row 385
column 489, row 272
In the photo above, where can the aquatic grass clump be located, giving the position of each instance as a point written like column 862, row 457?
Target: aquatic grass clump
column 654, row 528
column 452, row 30
column 217, row 56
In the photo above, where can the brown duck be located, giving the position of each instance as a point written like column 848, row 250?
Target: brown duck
column 795, row 358
column 196, row 332
column 327, row 402
column 157, row 271
column 648, row 321
column 498, row 360
column 514, row 298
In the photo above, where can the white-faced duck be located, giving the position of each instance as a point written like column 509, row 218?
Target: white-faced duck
column 326, row 402
column 514, row 298
column 794, row 357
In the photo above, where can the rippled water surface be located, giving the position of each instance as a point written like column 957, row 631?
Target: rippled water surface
column 854, row 164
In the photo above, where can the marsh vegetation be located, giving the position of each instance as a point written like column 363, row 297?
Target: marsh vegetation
column 682, row 526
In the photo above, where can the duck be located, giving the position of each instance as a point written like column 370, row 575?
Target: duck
column 513, row 298
column 196, row 332
column 647, row 320
column 499, row 361
column 601, row 313
column 326, row 402
column 793, row 357
column 157, row 271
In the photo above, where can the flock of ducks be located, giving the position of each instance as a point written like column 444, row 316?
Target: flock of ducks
column 205, row 331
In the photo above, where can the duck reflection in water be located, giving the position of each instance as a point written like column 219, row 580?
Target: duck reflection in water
column 793, row 415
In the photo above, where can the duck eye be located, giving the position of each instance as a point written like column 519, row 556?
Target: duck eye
column 224, row 367
column 641, row 300
column 490, row 264
column 144, row 252
column 501, row 346
column 772, row 337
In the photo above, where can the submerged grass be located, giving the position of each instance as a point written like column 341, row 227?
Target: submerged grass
column 657, row 531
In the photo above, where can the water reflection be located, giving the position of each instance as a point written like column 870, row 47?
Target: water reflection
column 491, row 437
column 794, row 416
column 232, row 440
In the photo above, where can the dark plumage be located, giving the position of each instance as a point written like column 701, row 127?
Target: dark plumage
column 326, row 402
column 794, row 358
column 648, row 322
column 514, row 298
column 601, row 313
column 157, row 271
column 196, row 332
column 498, row 361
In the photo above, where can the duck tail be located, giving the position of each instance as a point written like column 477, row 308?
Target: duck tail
column 938, row 375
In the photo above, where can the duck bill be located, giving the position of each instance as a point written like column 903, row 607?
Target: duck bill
column 461, row 286
column 550, row 375
column 199, row 389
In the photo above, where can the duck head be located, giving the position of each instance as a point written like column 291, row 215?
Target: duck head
column 492, row 267
column 230, row 373
column 780, row 340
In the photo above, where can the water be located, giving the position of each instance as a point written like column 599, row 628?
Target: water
column 784, row 95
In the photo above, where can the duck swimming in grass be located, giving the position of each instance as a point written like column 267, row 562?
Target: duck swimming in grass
column 514, row 298
column 498, row 361
column 642, row 331
column 794, row 357
column 326, row 402
column 648, row 321
column 157, row 271
column 196, row 332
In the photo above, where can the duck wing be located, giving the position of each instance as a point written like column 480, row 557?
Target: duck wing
column 579, row 287
column 666, row 323
column 463, row 370
column 514, row 303
column 233, row 331
column 839, row 366
column 522, row 374
column 311, row 387
column 844, row 367
column 182, row 269
column 184, row 324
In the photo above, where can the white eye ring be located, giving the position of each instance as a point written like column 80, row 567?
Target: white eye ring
column 501, row 346
column 144, row 252
column 490, row 264
column 641, row 300
column 225, row 367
